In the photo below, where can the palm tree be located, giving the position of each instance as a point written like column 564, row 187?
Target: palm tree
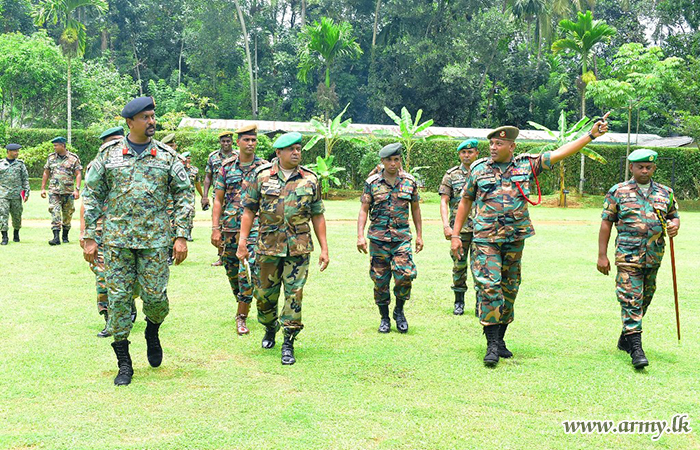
column 580, row 38
column 73, row 36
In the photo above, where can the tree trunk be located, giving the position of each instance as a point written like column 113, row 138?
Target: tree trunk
column 69, row 103
column 104, row 44
column 636, row 138
column 629, row 132
column 248, row 57
column 303, row 13
column 137, row 68
column 582, row 176
column 376, row 23
column 179, row 62
column 562, row 173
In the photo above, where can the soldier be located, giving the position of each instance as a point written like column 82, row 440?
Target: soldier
column 387, row 198
column 98, row 267
column 14, row 189
column 193, row 173
column 498, row 187
column 211, row 171
column 642, row 210
column 133, row 177
column 450, row 193
column 61, row 168
column 235, row 173
column 287, row 196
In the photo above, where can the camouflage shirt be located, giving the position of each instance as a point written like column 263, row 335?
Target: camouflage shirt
column 232, row 179
column 500, row 211
column 214, row 161
column 135, row 189
column 13, row 178
column 451, row 186
column 640, row 241
column 193, row 173
column 62, row 170
column 389, row 206
column 285, row 208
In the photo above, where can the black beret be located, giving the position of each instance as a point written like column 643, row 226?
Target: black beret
column 138, row 105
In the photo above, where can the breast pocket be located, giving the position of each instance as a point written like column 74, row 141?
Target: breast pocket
column 270, row 196
column 485, row 186
column 305, row 195
column 523, row 181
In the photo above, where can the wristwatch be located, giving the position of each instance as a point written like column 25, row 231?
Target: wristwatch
column 590, row 135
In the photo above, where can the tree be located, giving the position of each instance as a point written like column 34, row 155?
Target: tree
column 409, row 130
column 73, row 36
column 581, row 37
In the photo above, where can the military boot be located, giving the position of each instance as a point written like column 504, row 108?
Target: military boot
column 4, row 238
column 243, row 309
column 133, row 313
column 399, row 317
column 459, row 304
column 56, row 238
column 639, row 359
column 491, row 357
column 503, row 351
column 153, row 349
column 622, row 343
column 105, row 332
column 65, row 235
column 126, row 371
column 385, row 323
column 15, row 238
column 288, row 350
column 268, row 340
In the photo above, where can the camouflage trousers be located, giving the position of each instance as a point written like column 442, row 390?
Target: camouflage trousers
column 61, row 207
column 460, row 267
column 496, row 272
column 272, row 271
column 11, row 207
column 127, row 270
column 635, row 287
column 241, row 286
column 387, row 259
column 98, row 268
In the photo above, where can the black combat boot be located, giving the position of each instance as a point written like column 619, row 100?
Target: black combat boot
column 65, row 235
column 105, row 332
column 288, row 350
column 622, row 343
column 639, row 359
column 15, row 238
column 268, row 340
column 459, row 304
column 385, row 323
column 4, row 238
column 399, row 317
column 491, row 357
column 126, row 371
column 153, row 349
column 133, row 313
column 56, row 238
column 503, row 351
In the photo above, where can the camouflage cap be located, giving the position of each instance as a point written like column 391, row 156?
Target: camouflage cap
column 247, row 129
column 469, row 143
column 643, row 155
column 168, row 139
column 12, row 147
column 138, row 105
column 59, row 140
column 506, row 132
column 287, row 139
column 114, row 131
column 390, row 150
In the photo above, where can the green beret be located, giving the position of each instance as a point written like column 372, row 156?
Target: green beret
column 287, row 139
column 642, row 155
column 168, row 139
column 390, row 150
column 138, row 105
column 116, row 131
column 469, row 143
column 186, row 155
column 507, row 132
column 12, row 147
column 59, row 140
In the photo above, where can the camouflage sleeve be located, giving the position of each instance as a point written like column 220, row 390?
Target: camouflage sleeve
column 24, row 175
column 469, row 190
column 316, row 205
column 415, row 196
column 672, row 207
column 46, row 165
column 541, row 162
column 445, row 186
column 610, row 207
column 250, row 197
column 183, row 204
column 220, row 182
column 366, row 195
column 94, row 195
column 78, row 165
column 210, row 166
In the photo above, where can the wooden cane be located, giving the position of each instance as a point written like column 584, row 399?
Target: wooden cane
column 675, row 289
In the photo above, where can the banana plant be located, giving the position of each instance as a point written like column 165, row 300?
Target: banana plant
column 326, row 171
column 331, row 132
column 409, row 130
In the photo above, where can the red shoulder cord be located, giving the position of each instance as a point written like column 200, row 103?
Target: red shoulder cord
column 537, row 182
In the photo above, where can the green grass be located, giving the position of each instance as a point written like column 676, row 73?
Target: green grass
column 351, row 387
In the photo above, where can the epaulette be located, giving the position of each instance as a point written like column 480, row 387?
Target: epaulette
column 210, row 154
column 263, row 167
column 73, row 154
column 373, row 178
column 408, row 176
column 452, row 169
column 524, row 155
column 109, row 144
column 229, row 159
column 306, row 169
column 167, row 148
column 478, row 162
column 20, row 160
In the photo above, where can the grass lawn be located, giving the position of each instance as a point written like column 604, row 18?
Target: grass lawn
column 351, row 387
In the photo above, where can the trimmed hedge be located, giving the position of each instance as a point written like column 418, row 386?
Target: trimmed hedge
column 439, row 155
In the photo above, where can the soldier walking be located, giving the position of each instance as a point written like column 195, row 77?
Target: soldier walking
column 643, row 211
column 387, row 198
column 214, row 161
column 64, row 171
column 14, row 190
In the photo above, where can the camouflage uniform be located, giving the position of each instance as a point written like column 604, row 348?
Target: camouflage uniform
column 13, row 180
column 193, row 173
column 451, row 186
column 232, row 179
column 214, row 162
column 285, row 208
column 61, row 187
column 501, row 223
column 639, row 244
column 390, row 235
column 136, row 230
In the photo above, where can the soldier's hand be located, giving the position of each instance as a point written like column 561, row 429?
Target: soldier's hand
column 43, row 193
column 601, row 126
column 180, row 250
column 362, row 245
column 323, row 260
column 603, row 265
column 216, row 237
column 672, row 229
column 89, row 250
column 242, row 251
column 205, row 203
column 448, row 232
column 76, row 194
column 419, row 244
column 456, row 247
